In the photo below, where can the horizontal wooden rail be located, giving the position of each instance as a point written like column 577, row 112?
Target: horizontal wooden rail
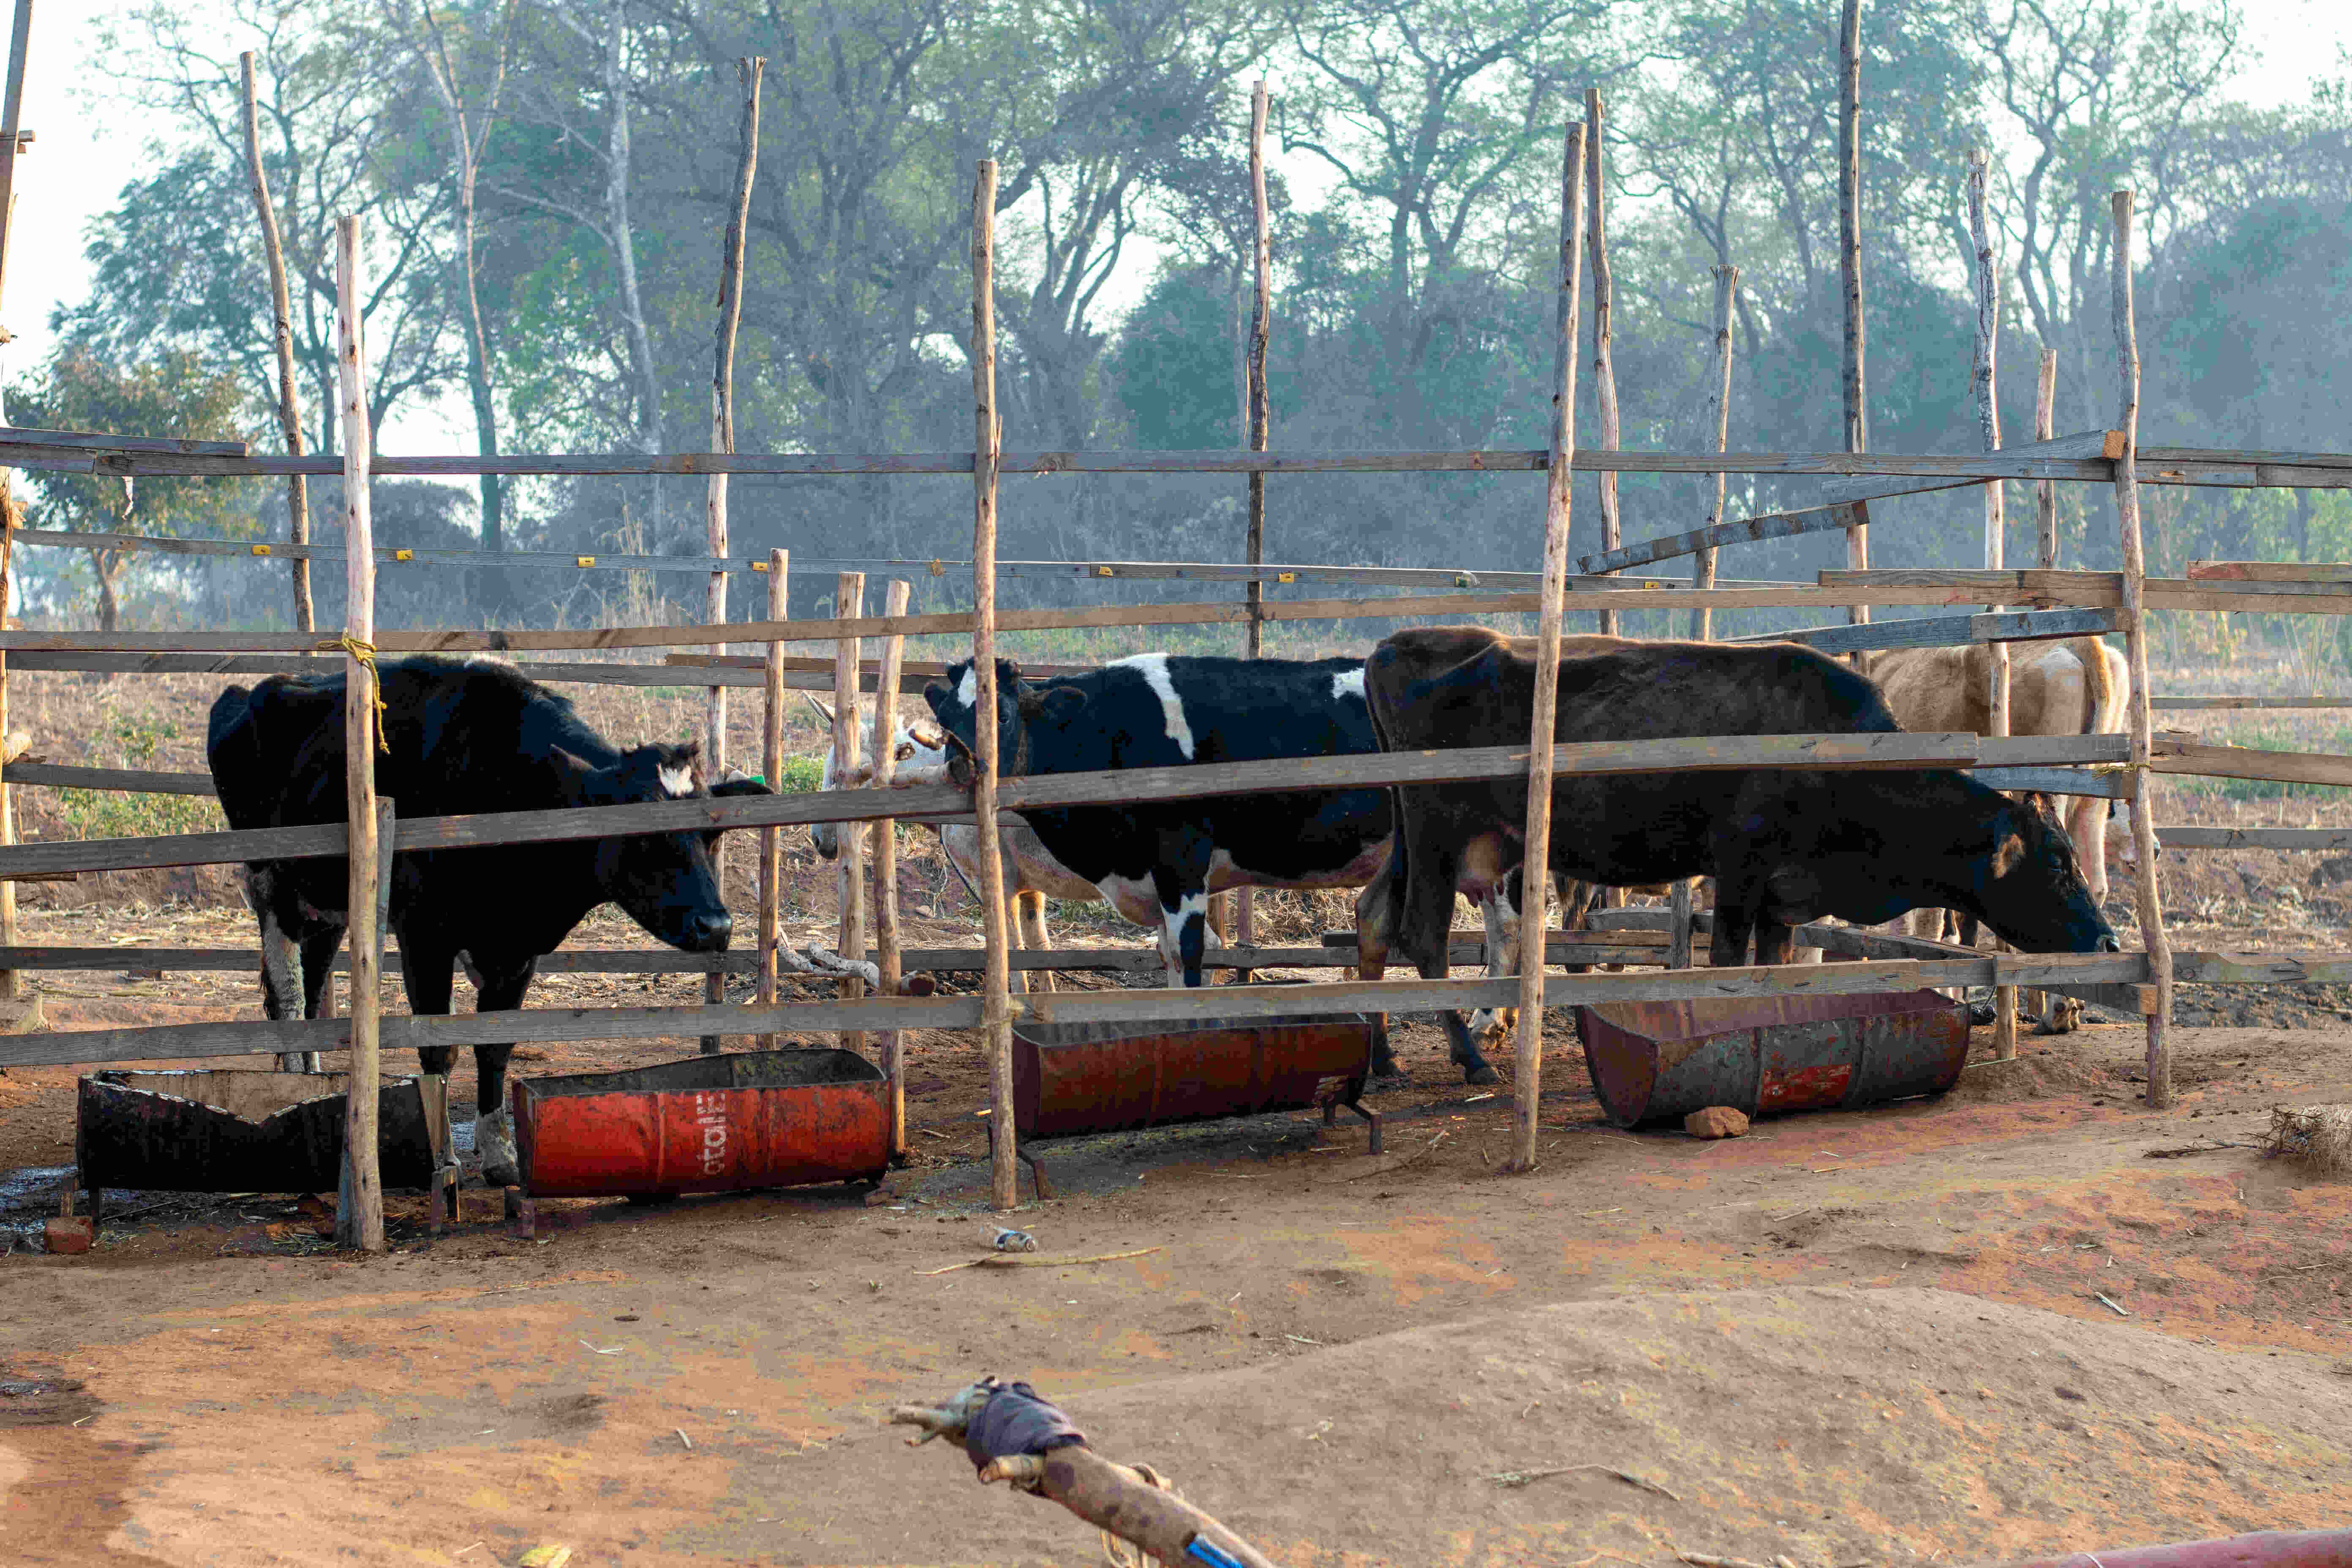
column 176, row 1041
column 2250, row 702
column 1040, row 792
column 98, row 441
column 2186, row 837
column 1948, row 631
column 2270, row 571
column 245, row 665
column 129, row 781
column 2098, row 589
column 2178, row 756
column 2158, row 464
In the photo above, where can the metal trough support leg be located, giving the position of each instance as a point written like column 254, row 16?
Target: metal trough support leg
column 1349, row 1096
column 1037, row 1169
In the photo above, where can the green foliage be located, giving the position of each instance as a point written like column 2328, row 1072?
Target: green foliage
column 125, row 741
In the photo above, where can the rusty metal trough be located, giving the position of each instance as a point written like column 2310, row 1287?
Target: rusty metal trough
column 1763, row 1055
column 708, row 1124
column 1075, row 1078
column 228, row 1130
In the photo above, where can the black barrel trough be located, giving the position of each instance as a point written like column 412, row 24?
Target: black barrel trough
column 1763, row 1055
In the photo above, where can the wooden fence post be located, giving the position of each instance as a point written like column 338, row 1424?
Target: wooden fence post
column 289, row 400
column 2134, row 620
column 2045, row 493
column 1604, row 363
column 1857, row 409
column 359, row 1216
column 1526, row 1082
column 20, row 1007
column 987, row 443
column 1987, row 394
column 886, row 956
column 1243, row 924
column 1718, row 411
column 722, row 439
column 849, row 863
column 771, row 761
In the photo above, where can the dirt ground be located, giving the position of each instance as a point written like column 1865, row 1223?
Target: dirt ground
column 1871, row 1337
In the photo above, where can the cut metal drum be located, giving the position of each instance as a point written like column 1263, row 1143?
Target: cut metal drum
column 1763, row 1055
column 708, row 1124
column 227, row 1130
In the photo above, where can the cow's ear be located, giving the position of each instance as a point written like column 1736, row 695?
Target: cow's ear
column 938, row 694
column 577, row 780
column 2008, row 853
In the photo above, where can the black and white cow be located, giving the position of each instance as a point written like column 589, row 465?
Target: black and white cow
column 1158, row 711
column 464, row 736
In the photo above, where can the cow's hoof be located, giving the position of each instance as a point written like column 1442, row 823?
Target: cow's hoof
column 494, row 1141
column 1480, row 1074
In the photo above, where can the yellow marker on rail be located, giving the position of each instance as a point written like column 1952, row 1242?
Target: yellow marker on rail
column 586, row 559
column 262, row 550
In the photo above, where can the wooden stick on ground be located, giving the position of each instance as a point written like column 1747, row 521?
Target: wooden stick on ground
column 887, row 954
column 1857, row 407
column 849, row 862
column 771, row 763
column 1528, row 1078
column 722, row 439
column 1985, row 391
column 289, row 403
column 987, row 441
column 2135, row 619
column 359, row 1216
column 1604, row 363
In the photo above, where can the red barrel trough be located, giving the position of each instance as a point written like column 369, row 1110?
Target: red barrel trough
column 708, row 1124
column 1071, row 1078
column 1763, row 1055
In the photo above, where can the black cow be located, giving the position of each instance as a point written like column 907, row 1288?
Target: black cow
column 1155, row 710
column 1784, row 847
column 465, row 736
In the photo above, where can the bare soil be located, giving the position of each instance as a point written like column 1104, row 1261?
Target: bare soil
column 1872, row 1336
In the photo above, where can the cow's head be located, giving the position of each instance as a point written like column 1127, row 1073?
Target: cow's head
column 1019, row 704
column 2035, row 897
column 918, row 755
column 664, row 881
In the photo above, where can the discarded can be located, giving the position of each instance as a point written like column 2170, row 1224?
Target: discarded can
column 1764, row 1055
column 708, row 1124
column 233, row 1130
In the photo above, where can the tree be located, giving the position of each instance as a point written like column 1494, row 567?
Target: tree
column 174, row 395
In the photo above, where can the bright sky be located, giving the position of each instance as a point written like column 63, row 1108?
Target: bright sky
column 88, row 148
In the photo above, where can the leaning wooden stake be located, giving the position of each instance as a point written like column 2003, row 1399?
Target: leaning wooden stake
column 2135, row 626
column 359, row 1216
column 1718, row 421
column 722, row 439
column 20, row 1013
column 849, row 863
column 1526, row 1082
column 987, row 443
column 289, row 400
column 1857, row 412
column 887, row 955
column 1604, row 363
column 1985, row 390
column 771, row 763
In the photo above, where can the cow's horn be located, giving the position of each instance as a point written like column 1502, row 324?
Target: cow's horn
column 826, row 712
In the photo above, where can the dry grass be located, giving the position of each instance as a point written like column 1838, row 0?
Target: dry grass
column 2318, row 1137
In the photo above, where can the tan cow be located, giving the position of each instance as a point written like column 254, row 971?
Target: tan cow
column 2077, row 686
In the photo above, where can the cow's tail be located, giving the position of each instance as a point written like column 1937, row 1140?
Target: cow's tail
column 2101, row 703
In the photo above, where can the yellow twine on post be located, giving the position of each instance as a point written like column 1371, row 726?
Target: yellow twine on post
column 365, row 653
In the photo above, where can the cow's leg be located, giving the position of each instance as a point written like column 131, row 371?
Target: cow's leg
column 1775, row 942
column 499, row 989
column 1183, row 923
column 1426, row 919
column 1499, row 911
column 281, row 962
column 425, row 976
column 1030, row 916
column 1735, row 918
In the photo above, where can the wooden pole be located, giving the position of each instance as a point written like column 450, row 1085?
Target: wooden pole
column 1985, row 388
column 987, row 443
column 289, row 397
column 359, row 1217
column 1604, row 363
column 722, row 439
column 2045, row 493
column 1245, row 904
column 1858, row 410
column 2135, row 624
column 1526, row 1082
column 887, row 955
column 849, row 865
column 771, row 761
column 20, row 1011
column 1719, row 419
